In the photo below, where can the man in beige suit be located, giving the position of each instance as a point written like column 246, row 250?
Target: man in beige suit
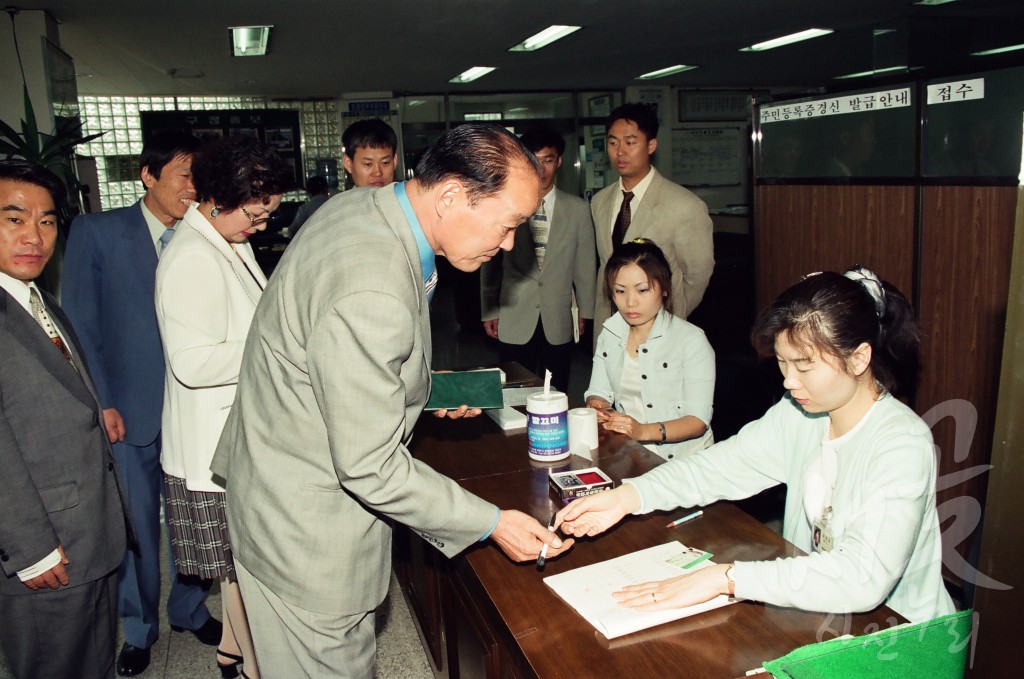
column 335, row 373
column 526, row 295
column 656, row 208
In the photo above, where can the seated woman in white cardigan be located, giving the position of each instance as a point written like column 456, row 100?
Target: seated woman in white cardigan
column 654, row 373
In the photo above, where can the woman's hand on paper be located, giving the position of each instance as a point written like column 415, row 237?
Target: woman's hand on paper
column 522, row 537
column 678, row 592
column 597, row 513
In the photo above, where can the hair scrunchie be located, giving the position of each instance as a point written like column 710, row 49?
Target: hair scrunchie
column 869, row 281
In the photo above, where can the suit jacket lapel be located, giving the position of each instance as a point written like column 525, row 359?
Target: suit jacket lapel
column 395, row 216
column 24, row 329
column 141, row 250
column 195, row 220
column 648, row 205
column 602, row 210
column 556, row 237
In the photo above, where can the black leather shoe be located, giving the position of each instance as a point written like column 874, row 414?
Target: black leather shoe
column 208, row 634
column 132, row 661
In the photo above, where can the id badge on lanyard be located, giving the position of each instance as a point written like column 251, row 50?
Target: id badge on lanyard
column 822, row 538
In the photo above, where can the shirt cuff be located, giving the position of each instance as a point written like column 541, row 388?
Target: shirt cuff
column 494, row 525
column 37, row 569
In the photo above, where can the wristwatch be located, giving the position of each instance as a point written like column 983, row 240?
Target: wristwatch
column 730, row 581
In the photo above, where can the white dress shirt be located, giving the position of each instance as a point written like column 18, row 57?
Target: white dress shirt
column 638, row 195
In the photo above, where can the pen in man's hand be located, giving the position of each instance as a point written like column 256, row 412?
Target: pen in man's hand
column 544, row 550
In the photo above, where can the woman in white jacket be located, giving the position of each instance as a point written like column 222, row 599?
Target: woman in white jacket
column 858, row 464
column 654, row 373
column 207, row 288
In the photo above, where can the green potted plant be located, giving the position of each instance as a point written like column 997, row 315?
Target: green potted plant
column 57, row 153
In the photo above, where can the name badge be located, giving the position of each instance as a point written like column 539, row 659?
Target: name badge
column 821, row 537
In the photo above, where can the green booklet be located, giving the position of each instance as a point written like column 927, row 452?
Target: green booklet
column 474, row 388
column 936, row 649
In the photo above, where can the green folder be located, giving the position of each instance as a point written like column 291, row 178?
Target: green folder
column 936, row 649
column 474, row 388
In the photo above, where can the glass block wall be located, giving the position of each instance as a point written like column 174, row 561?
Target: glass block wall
column 117, row 151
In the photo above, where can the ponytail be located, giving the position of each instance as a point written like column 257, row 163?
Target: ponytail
column 835, row 313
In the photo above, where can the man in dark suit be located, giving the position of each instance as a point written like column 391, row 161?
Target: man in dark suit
column 526, row 296
column 62, row 525
column 107, row 290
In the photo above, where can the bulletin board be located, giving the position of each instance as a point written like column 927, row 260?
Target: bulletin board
column 278, row 128
column 709, row 155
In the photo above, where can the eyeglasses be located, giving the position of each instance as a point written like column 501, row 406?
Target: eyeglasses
column 253, row 220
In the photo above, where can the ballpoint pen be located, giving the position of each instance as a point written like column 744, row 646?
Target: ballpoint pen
column 689, row 517
column 544, row 550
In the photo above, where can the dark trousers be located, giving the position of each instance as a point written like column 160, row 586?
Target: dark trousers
column 139, row 577
column 538, row 354
column 67, row 632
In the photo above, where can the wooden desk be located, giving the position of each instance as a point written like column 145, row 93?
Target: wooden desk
column 482, row 615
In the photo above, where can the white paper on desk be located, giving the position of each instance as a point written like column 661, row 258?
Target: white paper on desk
column 589, row 590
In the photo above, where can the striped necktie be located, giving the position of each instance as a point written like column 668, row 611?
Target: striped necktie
column 540, row 227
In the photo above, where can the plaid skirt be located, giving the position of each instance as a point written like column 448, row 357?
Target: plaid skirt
column 198, row 525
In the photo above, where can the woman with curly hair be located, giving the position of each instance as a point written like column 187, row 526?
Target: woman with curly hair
column 207, row 286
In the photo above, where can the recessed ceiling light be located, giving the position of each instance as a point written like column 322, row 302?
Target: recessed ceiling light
column 544, row 38
column 787, row 39
column 877, row 71
column 998, row 50
column 661, row 73
column 472, row 74
column 249, row 41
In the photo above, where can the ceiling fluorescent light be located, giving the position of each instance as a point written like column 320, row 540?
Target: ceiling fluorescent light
column 472, row 74
column 877, row 71
column 998, row 50
column 678, row 68
column 249, row 41
column 787, row 39
column 929, row 3
column 544, row 38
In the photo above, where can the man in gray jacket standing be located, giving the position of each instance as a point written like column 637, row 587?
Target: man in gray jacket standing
column 526, row 296
column 62, row 525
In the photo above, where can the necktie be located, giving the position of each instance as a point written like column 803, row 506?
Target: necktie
column 623, row 220
column 165, row 238
column 430, row 285
column 39, row 313
column 539, row 228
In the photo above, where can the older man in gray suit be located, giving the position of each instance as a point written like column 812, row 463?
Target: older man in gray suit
column 62, row 525
column 644, row 204
column 526, row 297
column 335, row 374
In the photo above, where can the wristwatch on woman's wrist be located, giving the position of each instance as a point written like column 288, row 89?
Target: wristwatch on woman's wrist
column 728, row 579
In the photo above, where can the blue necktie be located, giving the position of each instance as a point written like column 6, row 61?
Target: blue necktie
column 165, row 238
